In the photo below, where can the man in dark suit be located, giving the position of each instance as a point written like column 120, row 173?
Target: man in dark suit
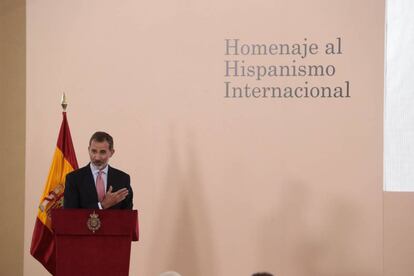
column 97, row 185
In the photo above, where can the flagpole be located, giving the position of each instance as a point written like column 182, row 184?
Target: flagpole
column 64, row 161
column 63, row 102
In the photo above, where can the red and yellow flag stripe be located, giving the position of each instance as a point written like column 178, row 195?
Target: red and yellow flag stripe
column 64, row 161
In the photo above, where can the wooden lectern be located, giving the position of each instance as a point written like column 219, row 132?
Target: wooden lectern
column 94, row 242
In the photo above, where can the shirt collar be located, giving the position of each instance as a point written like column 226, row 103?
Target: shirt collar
column 96, row 170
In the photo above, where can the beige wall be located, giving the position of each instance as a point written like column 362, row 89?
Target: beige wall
column 12, row 138
column 398, row 234
column 224, row 186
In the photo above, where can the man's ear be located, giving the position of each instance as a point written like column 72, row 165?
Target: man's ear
column 112, row 152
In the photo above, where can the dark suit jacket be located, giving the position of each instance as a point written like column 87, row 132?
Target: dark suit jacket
column 80, row 190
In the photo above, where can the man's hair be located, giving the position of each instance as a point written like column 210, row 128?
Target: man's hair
column 262, row 274
column 101, row 136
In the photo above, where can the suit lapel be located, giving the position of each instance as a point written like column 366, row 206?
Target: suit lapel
column 109, row 179
column 89, row 183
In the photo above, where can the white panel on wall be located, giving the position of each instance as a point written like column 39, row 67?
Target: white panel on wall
column 399, row 97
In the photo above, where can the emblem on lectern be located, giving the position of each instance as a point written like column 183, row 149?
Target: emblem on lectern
column 94, row 223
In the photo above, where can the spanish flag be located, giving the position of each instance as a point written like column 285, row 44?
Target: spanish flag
column 64, row 161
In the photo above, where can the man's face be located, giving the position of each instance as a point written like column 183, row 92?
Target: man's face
column 100, row 153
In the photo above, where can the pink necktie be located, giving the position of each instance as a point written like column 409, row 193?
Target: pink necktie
column 100, row 186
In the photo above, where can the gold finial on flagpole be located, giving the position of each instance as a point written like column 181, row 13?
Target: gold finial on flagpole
column 63, row 102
